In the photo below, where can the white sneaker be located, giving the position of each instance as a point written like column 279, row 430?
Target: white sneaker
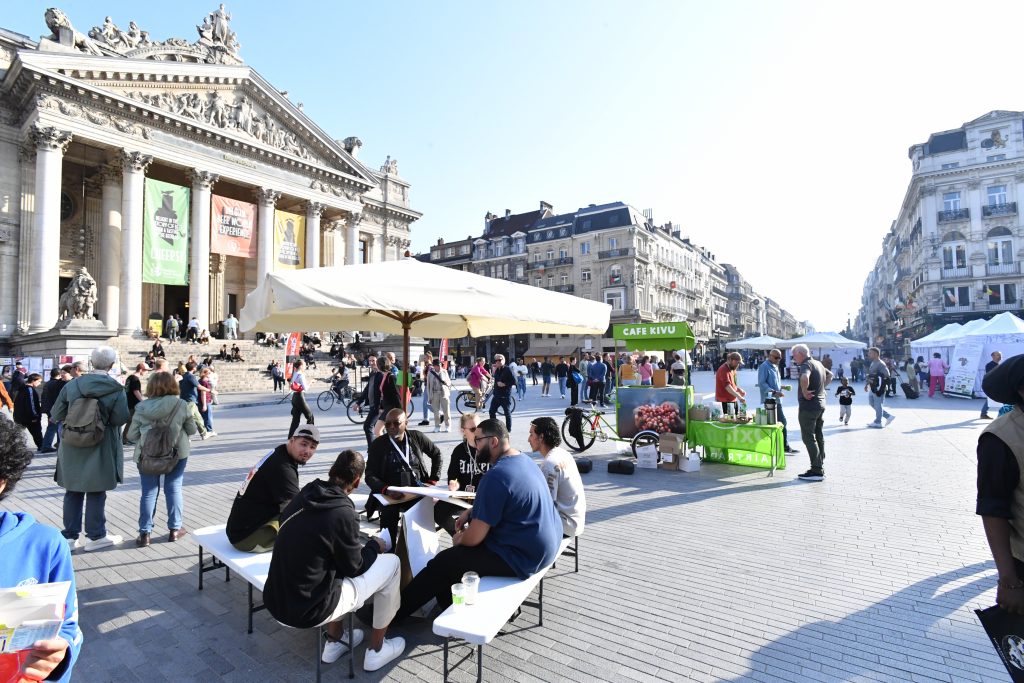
column 437, row 429
column 210, row 433
column 391, row 649
column 888, row 420
column 336, row 648
column 75, row 543
column 108, row 540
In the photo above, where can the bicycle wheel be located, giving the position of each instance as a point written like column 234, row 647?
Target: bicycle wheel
column 465, row 402
column 645, row 438
column 355, row 413
column 578, row 445
column 511, row 403
column 325, row 401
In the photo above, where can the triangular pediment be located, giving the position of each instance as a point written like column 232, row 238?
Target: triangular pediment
column 232, row 101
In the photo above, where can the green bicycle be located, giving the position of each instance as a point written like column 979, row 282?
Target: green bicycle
column 592, row 424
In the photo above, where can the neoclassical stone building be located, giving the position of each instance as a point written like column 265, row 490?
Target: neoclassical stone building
column 174, row 173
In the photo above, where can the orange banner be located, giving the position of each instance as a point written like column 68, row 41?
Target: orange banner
column 232, row 227
column 291, row 353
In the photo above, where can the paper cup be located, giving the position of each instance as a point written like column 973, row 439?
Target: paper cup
column 458, row 595
column 471, row 580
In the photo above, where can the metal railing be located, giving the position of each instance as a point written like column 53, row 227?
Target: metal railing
column 1004, row 209
column 956, row 272
column 551, row 262
column 957, row 309
column 621, row 252
column 565, row 289
column 954, row 215
column 1002, row 269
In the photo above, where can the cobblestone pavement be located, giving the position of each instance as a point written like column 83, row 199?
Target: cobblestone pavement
column 724, row 574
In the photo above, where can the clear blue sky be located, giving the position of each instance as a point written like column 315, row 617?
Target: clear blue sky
column 775, row 133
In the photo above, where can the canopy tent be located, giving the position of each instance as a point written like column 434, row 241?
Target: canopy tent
column 761, row 343
column 839, row 348
column 1003, row 326
column 941, row 341
column 974, row 348
column 937, row 335
column 408, row 295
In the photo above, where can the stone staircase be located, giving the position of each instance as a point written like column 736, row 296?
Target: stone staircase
column 250, row 375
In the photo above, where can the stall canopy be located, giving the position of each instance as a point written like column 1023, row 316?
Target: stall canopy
column 409, row 296
column 1003, row 327
column 937, row 335
column 762, row 343
column 824, row 341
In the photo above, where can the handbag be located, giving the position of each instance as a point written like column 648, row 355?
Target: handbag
column 296, row 386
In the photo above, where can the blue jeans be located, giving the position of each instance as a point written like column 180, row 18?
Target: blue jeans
column 561, row 386
column 208, row 417
column 151, row 492
column 52, row 436
column 95, row 514
column 521, row 386
column 878, row 403
column 423, row 396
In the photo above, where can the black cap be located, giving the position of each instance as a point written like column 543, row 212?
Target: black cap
column 1003, row 382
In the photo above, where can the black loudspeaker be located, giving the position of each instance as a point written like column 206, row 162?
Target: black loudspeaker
column 584, row 465
column 622, row 466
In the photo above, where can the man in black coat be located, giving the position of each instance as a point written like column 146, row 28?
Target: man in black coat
column 396, row 458
column 321, row 568
column 28, row 410
column 51, row 390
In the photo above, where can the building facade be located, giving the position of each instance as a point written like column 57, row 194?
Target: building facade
column 953, row 253
column 174, row 174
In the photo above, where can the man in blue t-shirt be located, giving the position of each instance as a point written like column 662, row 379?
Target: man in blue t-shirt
column 512, row 530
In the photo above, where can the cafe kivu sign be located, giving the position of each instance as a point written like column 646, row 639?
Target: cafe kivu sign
column 678, row 331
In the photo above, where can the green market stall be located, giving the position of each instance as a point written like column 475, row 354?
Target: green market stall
column 749, row 444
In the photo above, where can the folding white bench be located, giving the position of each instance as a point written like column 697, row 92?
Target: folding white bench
column 498, row 601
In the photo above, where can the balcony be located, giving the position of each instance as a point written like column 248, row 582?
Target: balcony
column 955, row 273
column 1002, row 269
column 643, row 255
column 550, row 263
column 1004, row 209
column 954, row 215
column 615, row 253
column 564, row 289
column 957, row 309
column 1004, row 307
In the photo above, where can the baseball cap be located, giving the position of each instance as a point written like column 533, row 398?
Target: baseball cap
column 308, row 432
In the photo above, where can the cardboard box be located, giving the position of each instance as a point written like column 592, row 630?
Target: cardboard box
column 689, row 462
column 626, row 372
column 660, row 378
column 700, row 413
column 672, row 447
column 647, row 457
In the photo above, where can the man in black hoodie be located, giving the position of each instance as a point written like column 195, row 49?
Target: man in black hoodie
column 270, row 485
column 322, row 570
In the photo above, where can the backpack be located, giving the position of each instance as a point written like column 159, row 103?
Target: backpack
column 159, row 452
column 83, row 425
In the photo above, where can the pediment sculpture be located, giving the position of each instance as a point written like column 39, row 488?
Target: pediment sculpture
column 217, row 43
column 232, row 112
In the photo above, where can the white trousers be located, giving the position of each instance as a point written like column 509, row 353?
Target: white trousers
column 381, row 582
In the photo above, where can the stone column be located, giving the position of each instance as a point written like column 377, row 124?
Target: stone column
column 352, row 239
column 215, row 281
column 199, row 265
column 330, row 253
column 266, row 199
column 50, row 144
column 313, row 212
column 133, row 176
column 108, row 280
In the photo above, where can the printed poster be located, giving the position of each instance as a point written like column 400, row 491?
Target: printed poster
column 963, row 368
column 232, row 227
column 291, row 353
column 165, row 233
column 289, row 241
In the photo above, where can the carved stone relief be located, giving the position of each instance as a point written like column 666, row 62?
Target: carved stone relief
column 94, row 116
column 336, row 190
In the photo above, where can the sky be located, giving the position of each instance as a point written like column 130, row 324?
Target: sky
column 774, row 133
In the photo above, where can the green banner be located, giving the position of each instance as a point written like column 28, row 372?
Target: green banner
column 165, row 233
column 678, row 335
column 747, row 444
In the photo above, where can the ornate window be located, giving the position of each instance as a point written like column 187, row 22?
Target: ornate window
column 999, row 247
column 954, row 249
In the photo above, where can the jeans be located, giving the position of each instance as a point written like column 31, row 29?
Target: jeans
column 51, row 439
column 502, row 401
column 95, row 514
column 521, row 386
column 597, row 392
column 877, row 403
column 207, row 417
column 561, row 386
column 984, row 410
column 447, row 567
column 811, row 422
column 423, row 396
column 151, row 493
column 369, row 422
column 781, row 417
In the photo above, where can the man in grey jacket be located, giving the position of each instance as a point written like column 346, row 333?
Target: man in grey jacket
column 87, row 473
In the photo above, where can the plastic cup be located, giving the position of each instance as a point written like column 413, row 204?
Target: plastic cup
column 471, row 580
column 458, row 595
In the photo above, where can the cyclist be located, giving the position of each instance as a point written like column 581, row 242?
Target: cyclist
column 478, row 380
column 339, row 381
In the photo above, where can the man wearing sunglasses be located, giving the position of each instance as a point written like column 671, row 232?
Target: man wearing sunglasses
column 397, row 458
column 512, row 530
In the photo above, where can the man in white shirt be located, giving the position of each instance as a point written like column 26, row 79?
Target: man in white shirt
column 562, row 475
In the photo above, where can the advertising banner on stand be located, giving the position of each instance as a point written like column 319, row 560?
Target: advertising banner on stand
column 963, row 368
column 232, row 227
column 289, row 241
column 165, row 233
column 291, row 353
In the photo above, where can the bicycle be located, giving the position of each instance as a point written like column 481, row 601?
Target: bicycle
column 465, row 401
column 325, row 401
column 593, row 423
column 355, row 413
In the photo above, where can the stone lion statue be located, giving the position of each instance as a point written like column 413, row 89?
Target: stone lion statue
column 56, row 20
column 78, row 299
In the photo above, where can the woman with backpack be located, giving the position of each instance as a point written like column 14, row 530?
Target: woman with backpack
column 160, row 428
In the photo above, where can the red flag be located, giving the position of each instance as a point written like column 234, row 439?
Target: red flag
column 444, row 353
column 291, row 353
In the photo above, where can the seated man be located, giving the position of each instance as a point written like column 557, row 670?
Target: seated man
column 223, row 354
column 236, row 354
column 464, row 473
column 562, row 475
column 33, row 553
column 322, row 570
column 270, row 485
column 395, row 458
column 512, row 530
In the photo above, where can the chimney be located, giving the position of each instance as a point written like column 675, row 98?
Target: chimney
column 545, row 206
column 508, row 212
column 440, row 241
column 488, row 217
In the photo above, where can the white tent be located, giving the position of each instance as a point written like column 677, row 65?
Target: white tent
column 940, row 341
column 409, row 296
column 936, row 335
column 979, row 339
column 1003, row 327
column 762, row 343
column 839, row 348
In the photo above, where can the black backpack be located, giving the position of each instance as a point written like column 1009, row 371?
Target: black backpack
column 159, row 450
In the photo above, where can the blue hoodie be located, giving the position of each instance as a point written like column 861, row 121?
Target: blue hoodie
column 33, row 553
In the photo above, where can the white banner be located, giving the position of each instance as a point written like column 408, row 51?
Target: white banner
column 963, row 368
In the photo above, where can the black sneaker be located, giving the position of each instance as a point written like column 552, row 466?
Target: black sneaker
column 811, row 475
column 424, row 423
column 790, row 450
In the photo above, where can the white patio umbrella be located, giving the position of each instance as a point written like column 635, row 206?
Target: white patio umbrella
column 762, row 343
column 409, row 296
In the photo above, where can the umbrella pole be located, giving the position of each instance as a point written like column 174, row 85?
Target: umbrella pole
column 406, row 324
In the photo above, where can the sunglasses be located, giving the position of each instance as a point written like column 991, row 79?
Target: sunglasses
column 393, row 423
column 470, row 429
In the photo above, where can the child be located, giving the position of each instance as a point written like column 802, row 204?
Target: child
column 845, row 393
